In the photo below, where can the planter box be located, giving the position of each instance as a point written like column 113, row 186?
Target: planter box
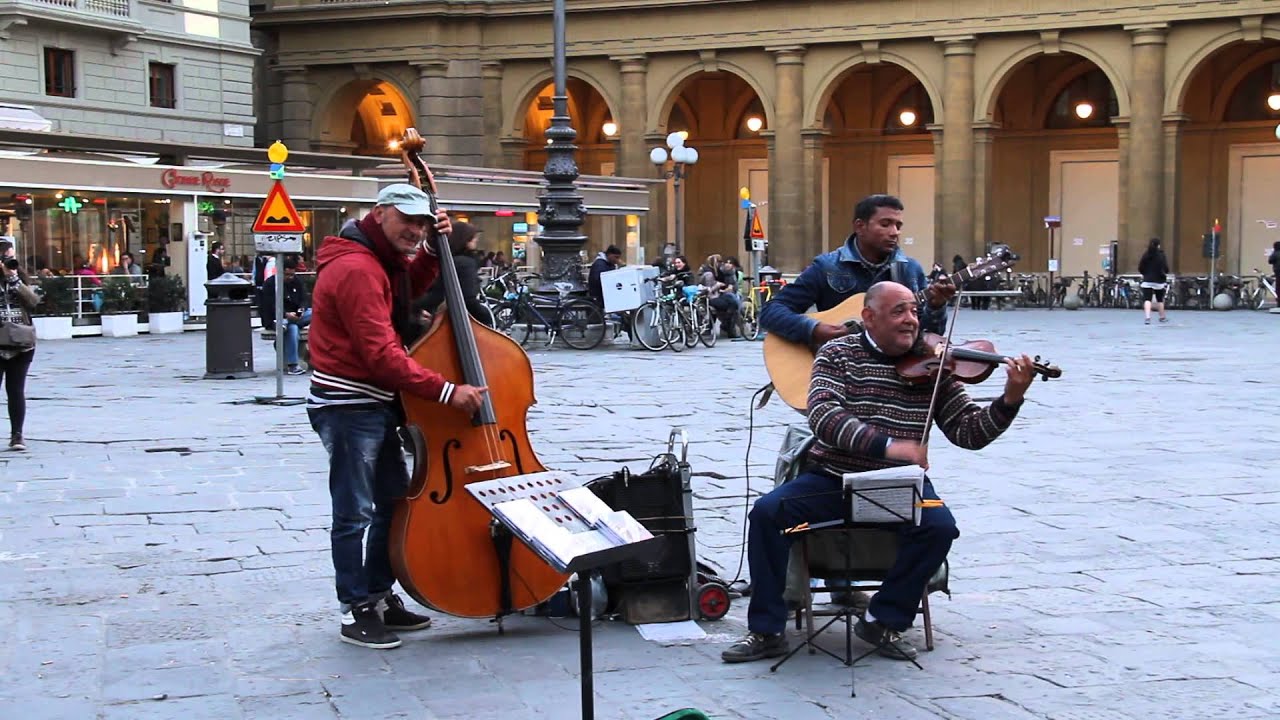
column 167, row 322
column 53, row 328
column 119, row 325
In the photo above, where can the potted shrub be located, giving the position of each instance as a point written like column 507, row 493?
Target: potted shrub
column 166, row 301
column 52, row 317
column 120, row 304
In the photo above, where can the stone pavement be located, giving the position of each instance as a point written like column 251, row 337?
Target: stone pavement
column 163, row 546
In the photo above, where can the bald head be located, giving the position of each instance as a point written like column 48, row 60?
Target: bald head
column 889, row 314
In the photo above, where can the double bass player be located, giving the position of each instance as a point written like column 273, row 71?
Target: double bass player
column 361, row 316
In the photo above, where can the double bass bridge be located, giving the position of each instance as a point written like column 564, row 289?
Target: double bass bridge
column 490, row 467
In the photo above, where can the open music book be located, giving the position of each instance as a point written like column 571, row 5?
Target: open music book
column 579, row 524
column 891, row 495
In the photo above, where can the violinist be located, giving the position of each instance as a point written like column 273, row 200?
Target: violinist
column 865, row 417
column 361, row 318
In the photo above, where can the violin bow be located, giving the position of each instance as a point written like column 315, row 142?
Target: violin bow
column 937, row 384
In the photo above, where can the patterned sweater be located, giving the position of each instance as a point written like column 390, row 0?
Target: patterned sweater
column 857, row 403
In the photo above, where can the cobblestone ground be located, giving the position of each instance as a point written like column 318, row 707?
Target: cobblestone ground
column 163, row 545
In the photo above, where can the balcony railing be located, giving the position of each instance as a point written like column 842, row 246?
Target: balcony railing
column 110, row 8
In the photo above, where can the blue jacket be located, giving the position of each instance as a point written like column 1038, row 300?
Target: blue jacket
column 833, row 278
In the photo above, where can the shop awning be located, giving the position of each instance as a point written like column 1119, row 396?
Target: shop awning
column 23, row 117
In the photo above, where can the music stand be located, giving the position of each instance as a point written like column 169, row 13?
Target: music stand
column 880, row 497
column 591, row 540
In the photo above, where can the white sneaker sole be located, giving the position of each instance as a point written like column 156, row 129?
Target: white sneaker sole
column 375, row 646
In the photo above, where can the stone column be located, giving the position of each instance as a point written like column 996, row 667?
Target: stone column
column 789, row 246
column 983, row 135
column 633, row 156
column 816, row 243
column 1146, row 142
column 1173, row 126
column 957, row 230
column 296, row 109
column 653, row 226
column 491, row 109
column 433, row 110
column 939, row 227
column 1121, row 125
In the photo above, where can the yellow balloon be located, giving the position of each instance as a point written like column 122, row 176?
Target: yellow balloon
column 277, row 153
column 744, row 193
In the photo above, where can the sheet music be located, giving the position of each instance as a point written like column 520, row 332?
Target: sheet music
column 886, row 496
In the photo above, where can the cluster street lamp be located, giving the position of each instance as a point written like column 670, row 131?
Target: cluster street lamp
column 681, row 158
column 560, row 209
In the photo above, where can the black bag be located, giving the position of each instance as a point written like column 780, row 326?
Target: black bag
column 16, row 336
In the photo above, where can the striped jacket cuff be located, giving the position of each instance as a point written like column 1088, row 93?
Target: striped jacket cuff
column 446, row 393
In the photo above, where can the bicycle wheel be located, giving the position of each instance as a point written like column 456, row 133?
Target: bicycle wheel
column 708, row 331
column 689, row 317
column 646, row 327
column 581, row 324
column 669, row 317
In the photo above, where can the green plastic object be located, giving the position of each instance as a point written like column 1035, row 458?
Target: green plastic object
column 686, row 714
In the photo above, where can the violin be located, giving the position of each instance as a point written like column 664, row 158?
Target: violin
column 969, row 362
column 446, row 549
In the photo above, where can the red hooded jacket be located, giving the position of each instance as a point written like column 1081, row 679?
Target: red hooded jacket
column 357, row 352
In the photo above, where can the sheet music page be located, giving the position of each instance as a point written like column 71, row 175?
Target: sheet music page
column 887, row 495
column 586, row 504
column 537, row 529
column 624, row 527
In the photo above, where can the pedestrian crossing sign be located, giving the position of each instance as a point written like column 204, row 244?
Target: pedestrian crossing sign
column 278, row 215
column 757, row 227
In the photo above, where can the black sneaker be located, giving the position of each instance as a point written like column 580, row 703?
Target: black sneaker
column 362, row 626
column 889, row 642
column 756, row 646
column 395, row 616
column 16, row 443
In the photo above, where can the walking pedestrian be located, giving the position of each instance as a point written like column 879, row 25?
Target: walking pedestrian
column 1154, row 267
column 17, row 345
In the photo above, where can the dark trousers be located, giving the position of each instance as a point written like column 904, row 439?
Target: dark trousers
column 815, row 497
column 367, row 476
column 14, row 373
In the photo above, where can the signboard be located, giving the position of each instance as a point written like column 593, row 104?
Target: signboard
column 1053, row 265
column 277, row 242
column 278, row 215
column 520, row 228
column 757, row 227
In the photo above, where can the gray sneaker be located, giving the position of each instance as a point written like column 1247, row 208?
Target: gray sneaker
column 16, row 442
column 889, row 642
column 756, row 646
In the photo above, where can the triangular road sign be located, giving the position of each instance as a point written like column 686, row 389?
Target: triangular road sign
column 278, row 215
column 757, row 228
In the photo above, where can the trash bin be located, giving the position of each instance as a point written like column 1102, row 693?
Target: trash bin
column 229, row 332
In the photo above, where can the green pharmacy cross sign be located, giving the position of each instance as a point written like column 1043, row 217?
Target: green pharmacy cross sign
column 71, row 205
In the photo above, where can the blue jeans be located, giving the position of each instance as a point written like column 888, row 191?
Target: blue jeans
column 816, row 497
column 367, row 476
column 292, row 331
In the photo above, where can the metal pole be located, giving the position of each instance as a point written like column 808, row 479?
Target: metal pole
column 1213, row 261
column 679, row 209
column 584, row 645
column 561, row 210
column 279, row 325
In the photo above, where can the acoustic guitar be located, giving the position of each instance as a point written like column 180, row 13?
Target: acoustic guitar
column 790, row 364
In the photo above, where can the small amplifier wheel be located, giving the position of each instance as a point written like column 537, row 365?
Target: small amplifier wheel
column 713, row 601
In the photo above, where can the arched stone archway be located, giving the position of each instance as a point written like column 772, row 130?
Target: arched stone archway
column 1052, row 147
column 543, row 84
column 679, row 80
column 816, row 111
column 1224, row 155
column 985, row 102
column 361, row 117
column 713, row 107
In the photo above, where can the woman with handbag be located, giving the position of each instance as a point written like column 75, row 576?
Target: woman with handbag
column 17, row 345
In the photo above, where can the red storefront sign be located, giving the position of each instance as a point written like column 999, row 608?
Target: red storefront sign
column 172, row 178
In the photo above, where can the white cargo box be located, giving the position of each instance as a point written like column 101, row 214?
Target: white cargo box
column 627, row 288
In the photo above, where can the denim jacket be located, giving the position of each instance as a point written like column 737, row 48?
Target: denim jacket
column 835, row 277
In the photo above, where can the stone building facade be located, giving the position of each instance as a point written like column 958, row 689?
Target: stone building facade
column 137, row 69
column 1128, row 120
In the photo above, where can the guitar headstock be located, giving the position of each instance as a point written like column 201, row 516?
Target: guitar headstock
column 1001, row 258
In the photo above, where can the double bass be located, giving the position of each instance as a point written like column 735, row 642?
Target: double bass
column 446, row 550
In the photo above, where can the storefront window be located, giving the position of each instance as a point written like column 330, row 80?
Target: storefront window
column 68, row 231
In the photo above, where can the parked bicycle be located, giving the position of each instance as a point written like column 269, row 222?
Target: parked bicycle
column 580, row 323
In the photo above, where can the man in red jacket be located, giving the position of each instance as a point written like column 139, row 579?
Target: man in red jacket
column 361, row 313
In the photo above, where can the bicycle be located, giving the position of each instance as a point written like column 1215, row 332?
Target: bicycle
column 657, row 324
column 580, row 323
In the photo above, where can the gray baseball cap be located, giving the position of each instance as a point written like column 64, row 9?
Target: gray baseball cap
column 405, row 198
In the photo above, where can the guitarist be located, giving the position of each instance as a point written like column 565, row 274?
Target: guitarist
column 871, row 254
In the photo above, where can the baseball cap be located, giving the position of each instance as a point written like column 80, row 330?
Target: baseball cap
column 405, row 198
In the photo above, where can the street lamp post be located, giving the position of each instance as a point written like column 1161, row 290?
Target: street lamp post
column 560, row 209
column 681, row 158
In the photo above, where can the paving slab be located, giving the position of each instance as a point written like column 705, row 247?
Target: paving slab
column 164, row 551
